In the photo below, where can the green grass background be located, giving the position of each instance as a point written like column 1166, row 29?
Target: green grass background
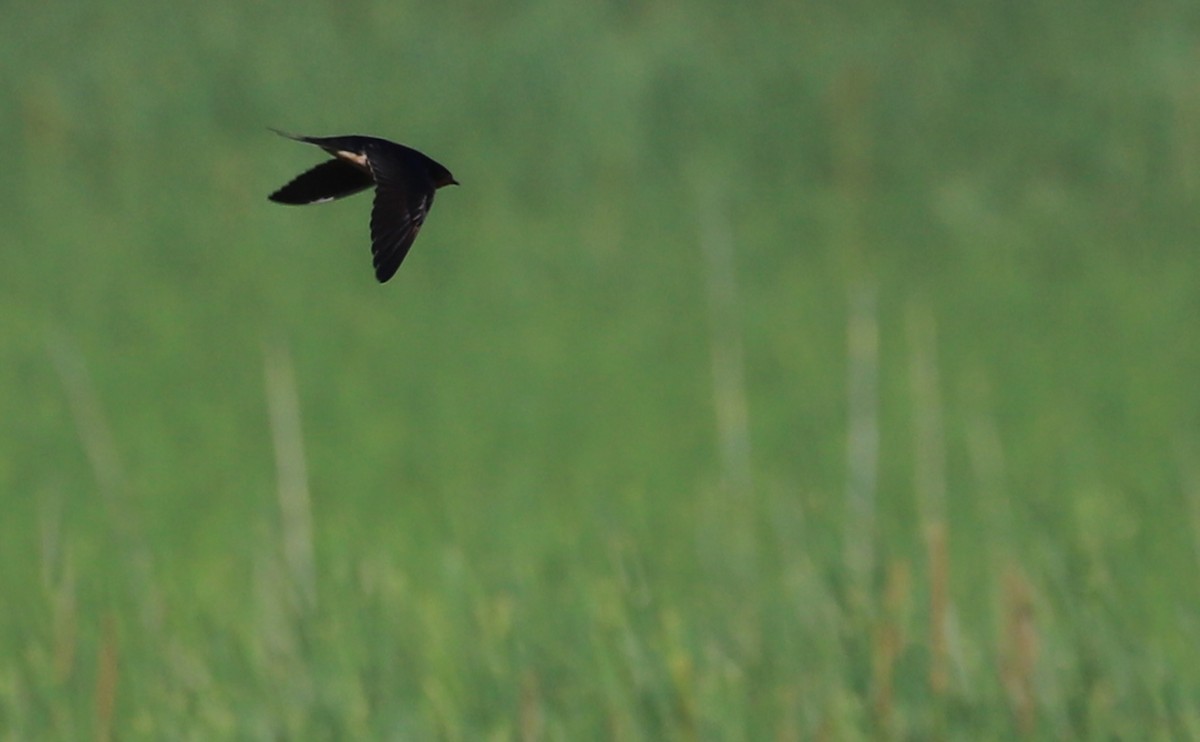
column 536, row 510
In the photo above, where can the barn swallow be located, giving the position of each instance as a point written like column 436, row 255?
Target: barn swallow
column 404, row 180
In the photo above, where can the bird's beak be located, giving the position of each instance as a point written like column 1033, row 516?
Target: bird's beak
column 454, row 182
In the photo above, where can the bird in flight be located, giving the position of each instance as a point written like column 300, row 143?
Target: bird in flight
column 404, row 180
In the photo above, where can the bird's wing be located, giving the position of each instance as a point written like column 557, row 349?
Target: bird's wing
column 396, row 218
column 325, row 182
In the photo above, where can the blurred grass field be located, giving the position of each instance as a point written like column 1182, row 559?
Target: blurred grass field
column 779, row 371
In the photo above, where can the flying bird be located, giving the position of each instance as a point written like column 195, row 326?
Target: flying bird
column 404, row 179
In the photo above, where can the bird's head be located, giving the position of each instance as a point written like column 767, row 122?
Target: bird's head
column 441, row 176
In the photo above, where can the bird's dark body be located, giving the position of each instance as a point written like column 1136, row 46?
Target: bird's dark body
column 404, row 179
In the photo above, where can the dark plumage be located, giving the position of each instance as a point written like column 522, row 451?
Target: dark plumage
column 404, row 179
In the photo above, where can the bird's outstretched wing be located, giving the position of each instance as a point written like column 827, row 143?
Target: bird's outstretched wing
column 328, row 181
column 396, row 218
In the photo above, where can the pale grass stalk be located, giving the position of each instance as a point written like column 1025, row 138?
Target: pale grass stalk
column 728, row 357
column 50, row 541
column 849, row 109
column 100, row 448
column 862, row 444
column 277, row 624
column 58, row 584
column 295, row 508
